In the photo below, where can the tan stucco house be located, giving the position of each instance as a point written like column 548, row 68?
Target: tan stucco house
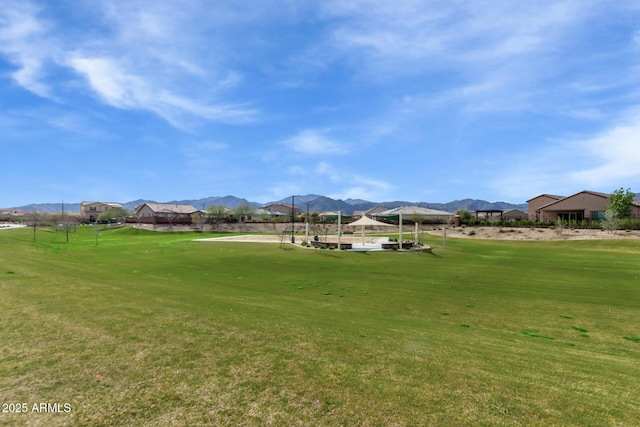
column 514, row 215
column 585, row 205
column 90, row 211
column 280, row 209
column 164, row 213
column 534, row 205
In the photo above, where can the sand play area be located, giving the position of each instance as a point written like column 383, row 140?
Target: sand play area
column 491, row 233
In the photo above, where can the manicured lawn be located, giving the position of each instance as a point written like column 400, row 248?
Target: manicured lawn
column 155, row 329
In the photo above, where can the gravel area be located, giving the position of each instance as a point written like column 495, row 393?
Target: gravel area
column 528, row 233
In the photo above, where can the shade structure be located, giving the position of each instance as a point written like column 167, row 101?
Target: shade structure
column 364, row 221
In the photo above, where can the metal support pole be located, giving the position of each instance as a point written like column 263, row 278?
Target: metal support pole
column 293, row 213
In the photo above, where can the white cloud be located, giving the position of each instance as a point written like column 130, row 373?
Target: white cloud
column 497, row 55
column 110, row 82
column 602, row 162
column 444, row 33
column 617, row 154
column 351, row 185
column 314, row 141
column 325, row 169
column 365, row 188
column 148, row 58
column 123, row 89
column 23, row 40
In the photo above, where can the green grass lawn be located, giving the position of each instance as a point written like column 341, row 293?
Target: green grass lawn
column 155, row 329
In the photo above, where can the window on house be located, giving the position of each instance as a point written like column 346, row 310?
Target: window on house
column 571, row 216
column 597, row 215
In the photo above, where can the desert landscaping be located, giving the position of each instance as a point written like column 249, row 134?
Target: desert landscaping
column 535, row 233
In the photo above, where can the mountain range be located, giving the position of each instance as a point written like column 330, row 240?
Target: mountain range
column 311, row 202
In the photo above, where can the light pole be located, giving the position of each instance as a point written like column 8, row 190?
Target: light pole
column 293, row 212
column 307, row 223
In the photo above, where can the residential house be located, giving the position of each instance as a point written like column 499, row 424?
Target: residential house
column 371, row 212
column 585, row 205
column 514, row 215
column 409, row 213
column 281, row 209
column 537, row 202
column 164, row 213
column 491, row 215
column 266, row 214
column 333, row 216
column 90, row 211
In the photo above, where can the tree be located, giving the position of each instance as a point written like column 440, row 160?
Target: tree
column 67, row 223
column 314, row 219
column 620, row 203
column 171, row 217
column 464, row 214
column 199, row 219
column 277, row 219
column 34, row 220
column 114, row 213
column 558, row 226
column 242, row 212
column 611, row 222
column 217, row 212
column 416, row 218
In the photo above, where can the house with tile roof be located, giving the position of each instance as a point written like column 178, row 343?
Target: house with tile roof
column 90, row 211
column 276, row 209
column 585, row 205
column 164, row 213
column 534, row 205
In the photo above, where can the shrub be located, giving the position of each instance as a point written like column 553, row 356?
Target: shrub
column 611, row 222
column 464, row 214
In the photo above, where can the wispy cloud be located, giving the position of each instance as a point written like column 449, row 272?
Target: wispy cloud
column 616, row 154
column 435, row 34
column 23, row 42
column 603, row 162
column 316, row 178
column 353, row 185
column 497, row 55
column 138, row 61
column 315, row 142
column 121, row 89
column 367, row 189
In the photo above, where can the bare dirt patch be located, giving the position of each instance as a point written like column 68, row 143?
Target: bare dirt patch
column 529, row 233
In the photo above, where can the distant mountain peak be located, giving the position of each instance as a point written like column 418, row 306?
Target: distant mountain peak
column 314, row 202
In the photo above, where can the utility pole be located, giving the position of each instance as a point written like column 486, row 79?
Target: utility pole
column 400, row 233
column 293, row 213
column 339, row 227
column 307, row 221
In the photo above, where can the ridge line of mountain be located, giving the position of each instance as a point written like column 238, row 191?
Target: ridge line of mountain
column 312, row 202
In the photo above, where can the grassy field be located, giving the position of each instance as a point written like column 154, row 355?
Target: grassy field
column 155, row 329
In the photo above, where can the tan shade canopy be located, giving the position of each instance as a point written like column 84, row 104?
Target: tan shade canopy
column 365, row 220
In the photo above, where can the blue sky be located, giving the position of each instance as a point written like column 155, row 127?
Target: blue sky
column 415, row 100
